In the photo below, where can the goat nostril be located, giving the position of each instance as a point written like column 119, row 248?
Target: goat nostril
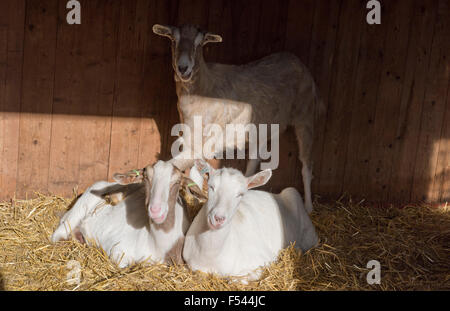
column 219, row 220
column 182, row 69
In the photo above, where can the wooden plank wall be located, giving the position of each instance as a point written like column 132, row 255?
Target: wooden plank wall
column 81, row 102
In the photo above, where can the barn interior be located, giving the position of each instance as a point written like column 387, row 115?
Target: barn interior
column 79, row 103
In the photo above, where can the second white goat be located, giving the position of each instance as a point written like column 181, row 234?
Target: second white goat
column 239, row 231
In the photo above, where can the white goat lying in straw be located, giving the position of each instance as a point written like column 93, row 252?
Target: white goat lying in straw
column 239, row 231
column 124, row 230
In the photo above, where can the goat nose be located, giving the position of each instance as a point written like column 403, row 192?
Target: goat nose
column 182, row 69
column 155, row 208
column 219, row 220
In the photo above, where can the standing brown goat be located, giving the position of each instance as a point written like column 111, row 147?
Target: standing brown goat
column 279, row 89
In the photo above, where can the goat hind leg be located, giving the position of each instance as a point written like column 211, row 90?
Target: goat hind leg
column 305, row 140
column 252, row 167
column 71, row 220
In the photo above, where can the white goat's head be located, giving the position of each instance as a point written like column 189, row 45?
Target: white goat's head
column 162, row 185
column 187, row 43
column 227, row 186
column 162, row 182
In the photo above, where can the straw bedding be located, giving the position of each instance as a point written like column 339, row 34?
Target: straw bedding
column 411, row 243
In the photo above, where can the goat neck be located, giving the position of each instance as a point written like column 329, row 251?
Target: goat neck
column 210, row 239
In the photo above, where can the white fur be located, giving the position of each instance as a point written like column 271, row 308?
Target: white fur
column 123, row 231
column 258, row 226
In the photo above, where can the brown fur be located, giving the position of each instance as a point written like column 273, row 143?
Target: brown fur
column 174, row 255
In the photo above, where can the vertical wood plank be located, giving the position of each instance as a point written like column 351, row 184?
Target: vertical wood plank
column 12, row 19
column 433, row 109
column 193, row 12
column 159, row 89
column 82, row 105
column 300, row 23
column 245, row 20
column 414, row 85
column 273, row 24
column 99, row 67
column 442, row 178
column 440, row 188
column 340, row 99
column 389, row 97
column 37, row 97
column 126, row 123
column 220, row 15
column 368, row 79
column 321, row 64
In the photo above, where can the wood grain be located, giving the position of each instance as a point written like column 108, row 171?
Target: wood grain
column 12, row 19
column 81, row 102
column 37, row 96
column 434, row 108
column 411, row 105
column 321, row 63
column 340, row 100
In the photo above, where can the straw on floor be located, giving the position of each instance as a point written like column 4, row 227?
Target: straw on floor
column 411, row 243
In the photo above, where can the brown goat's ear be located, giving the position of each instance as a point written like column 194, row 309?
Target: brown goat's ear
column 259, row 179
column 163, row 30
column 211, row 38
column 193, row 188
column 130, row 177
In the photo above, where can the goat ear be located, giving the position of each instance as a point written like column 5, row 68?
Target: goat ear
column 130, row 177
column 259, row 179
column 203, row 167
column 163, row 30
column 209, row 37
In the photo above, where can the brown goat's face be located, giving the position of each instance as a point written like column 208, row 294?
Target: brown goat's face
column 187, row 43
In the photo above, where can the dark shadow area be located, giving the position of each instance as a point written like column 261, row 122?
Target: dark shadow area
column 2, row 282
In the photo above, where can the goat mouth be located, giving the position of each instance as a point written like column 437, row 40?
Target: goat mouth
column 185, row 77
column 158, row 219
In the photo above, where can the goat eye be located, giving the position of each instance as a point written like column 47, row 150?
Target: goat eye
column 240, row 195
column 211, row 187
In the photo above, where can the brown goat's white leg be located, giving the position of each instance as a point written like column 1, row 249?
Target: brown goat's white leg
column 305, row 140
column 307, row 178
